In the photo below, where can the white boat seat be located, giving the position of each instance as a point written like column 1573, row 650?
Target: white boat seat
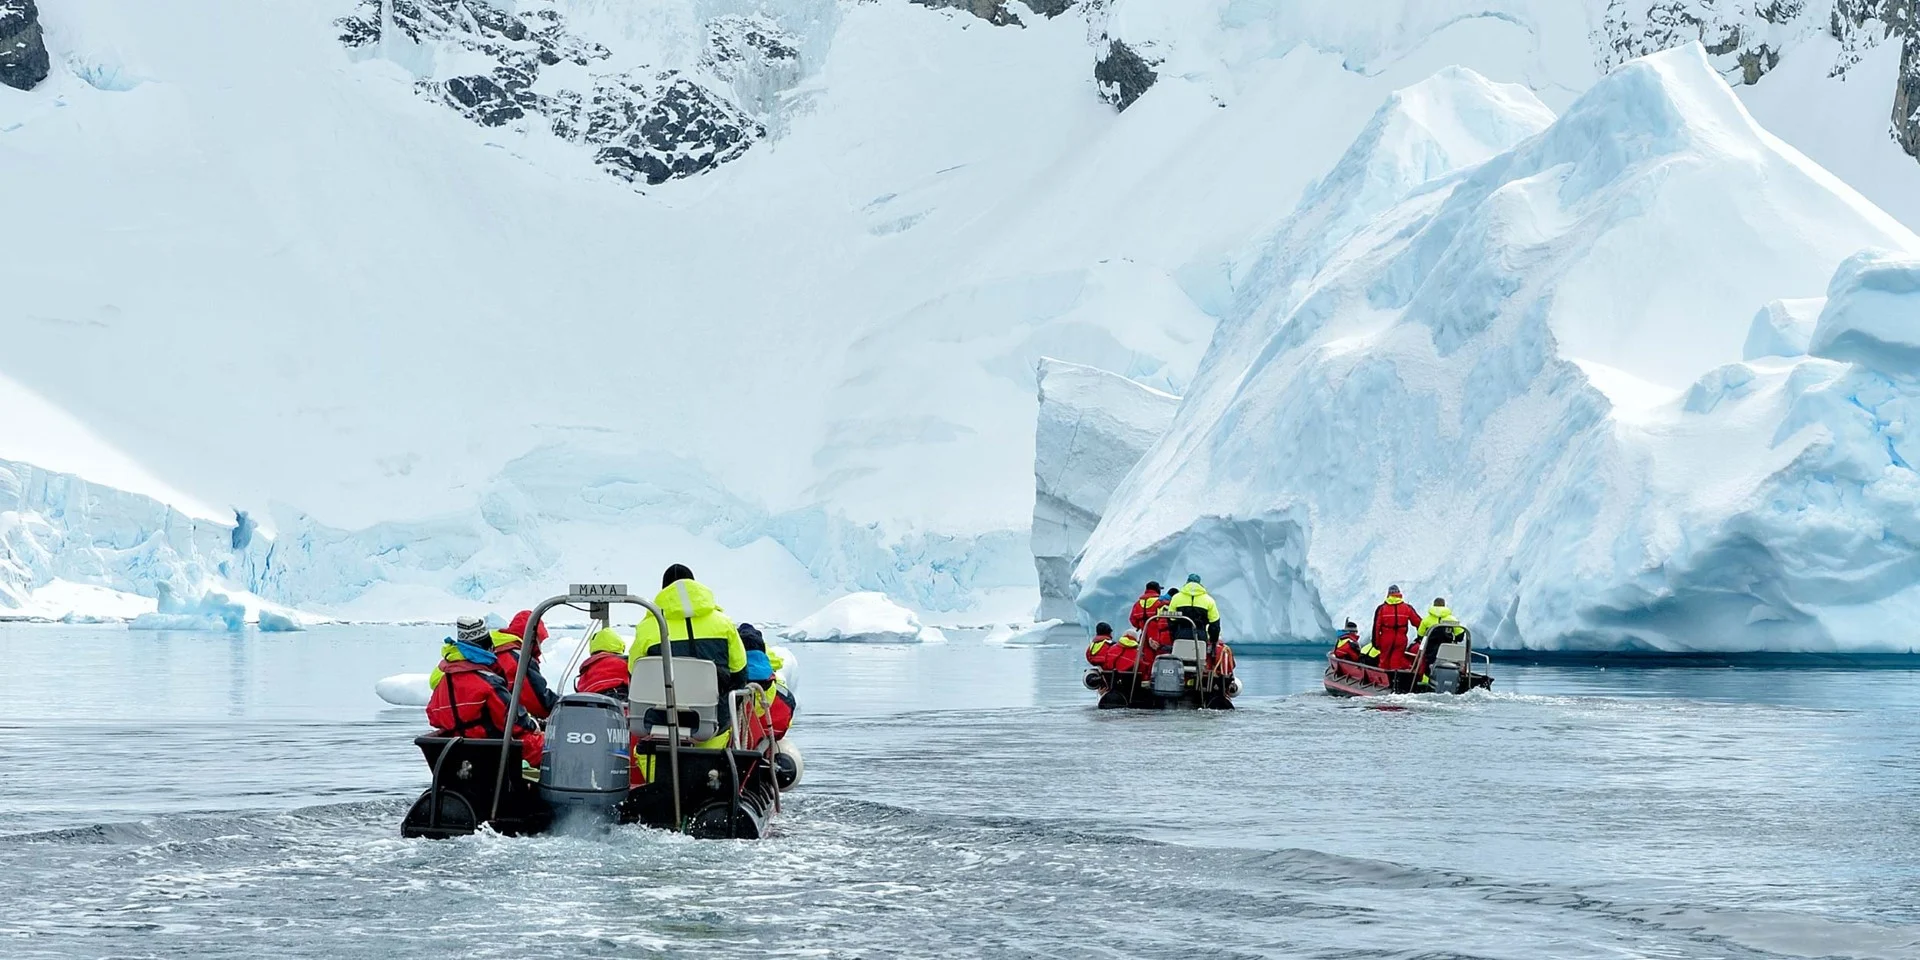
column 1190, row 651
column 696, row 687
column 1450, row 655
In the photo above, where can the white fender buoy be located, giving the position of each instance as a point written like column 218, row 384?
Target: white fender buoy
column 788, row 766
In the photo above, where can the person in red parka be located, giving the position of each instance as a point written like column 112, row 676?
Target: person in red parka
column 1392, row 621
column 1149, row 603
column 605, row 670
column 1158, row 634
column 1346, row 646
column 1101, row 648
column 1126, row 655
column 535, row 696
column 471, row 698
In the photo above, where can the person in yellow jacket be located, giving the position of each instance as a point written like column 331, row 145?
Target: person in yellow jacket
column 696, row 626
column 698, row 629
column 1194, row 594
column 1436, row 614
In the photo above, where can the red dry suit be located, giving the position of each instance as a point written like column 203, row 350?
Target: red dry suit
column 604, row 673
column 1101, row 650
column 779, row 706
column 1220, row 661
column 1158, row 634
column 1124, row 655
column 471, row 701
column 1391, row 622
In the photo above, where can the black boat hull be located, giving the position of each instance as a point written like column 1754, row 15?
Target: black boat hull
column 723, row 794
column 1127, row 691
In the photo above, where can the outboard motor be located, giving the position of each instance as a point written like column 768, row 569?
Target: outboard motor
column 585, row 767
column 1095, row 679
column 1169, row 677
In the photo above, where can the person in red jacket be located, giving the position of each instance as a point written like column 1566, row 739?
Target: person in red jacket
column 1101, row 648
column 1126, row 656
column 1149, row 603
column 471, row 698
column 1346, row 646
column 535, row 696
column 1157, row 635
column 1392, row 621
column 605, row 670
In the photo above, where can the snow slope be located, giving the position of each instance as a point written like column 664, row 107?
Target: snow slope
column 1464, row 402
column 1093, row 427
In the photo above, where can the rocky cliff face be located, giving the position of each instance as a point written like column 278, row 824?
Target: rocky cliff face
column 1906, row 102
column 1861, row 25
column 23, row 53
column 999, row 12
column 644, row 125
column 1745, row 39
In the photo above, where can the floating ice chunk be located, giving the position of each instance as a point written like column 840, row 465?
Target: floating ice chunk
column 1872, row 315
column 404, row 689
column 271, row 622
column 209, row 611
column 1020, row 634
column 1782, row 328
column 863, row 618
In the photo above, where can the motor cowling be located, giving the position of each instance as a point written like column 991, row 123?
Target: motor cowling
column 1233, row 687
column 585, row 766
column 1095, row 679
column 1169, row 677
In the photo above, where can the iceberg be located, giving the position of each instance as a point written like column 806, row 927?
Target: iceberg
column 1020, row 634
column 213, row 612
column 1093, row 427
column 271, row 622
column 1513, row 388
column 404, row 689
column 863, row 618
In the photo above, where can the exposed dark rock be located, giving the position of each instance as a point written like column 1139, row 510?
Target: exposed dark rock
column 754, row 58
column 683, row 130
column 23, row 51
column 1731, row 32
column 1123, row 75
column 1860, row 26
column 992, row 11
column 493, row 101
column 645, row 127
column 1049, row 8
column 1906, row 99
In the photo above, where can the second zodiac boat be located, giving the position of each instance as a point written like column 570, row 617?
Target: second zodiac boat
column 1447, row 664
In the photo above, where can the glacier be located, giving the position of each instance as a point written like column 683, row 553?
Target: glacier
column 1093, row 426
column 362, row 298
column 1464, row 401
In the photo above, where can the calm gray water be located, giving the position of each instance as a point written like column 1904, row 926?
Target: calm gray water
column 180, row 795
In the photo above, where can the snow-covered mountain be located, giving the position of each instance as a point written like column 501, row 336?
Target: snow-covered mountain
column 456, row 300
